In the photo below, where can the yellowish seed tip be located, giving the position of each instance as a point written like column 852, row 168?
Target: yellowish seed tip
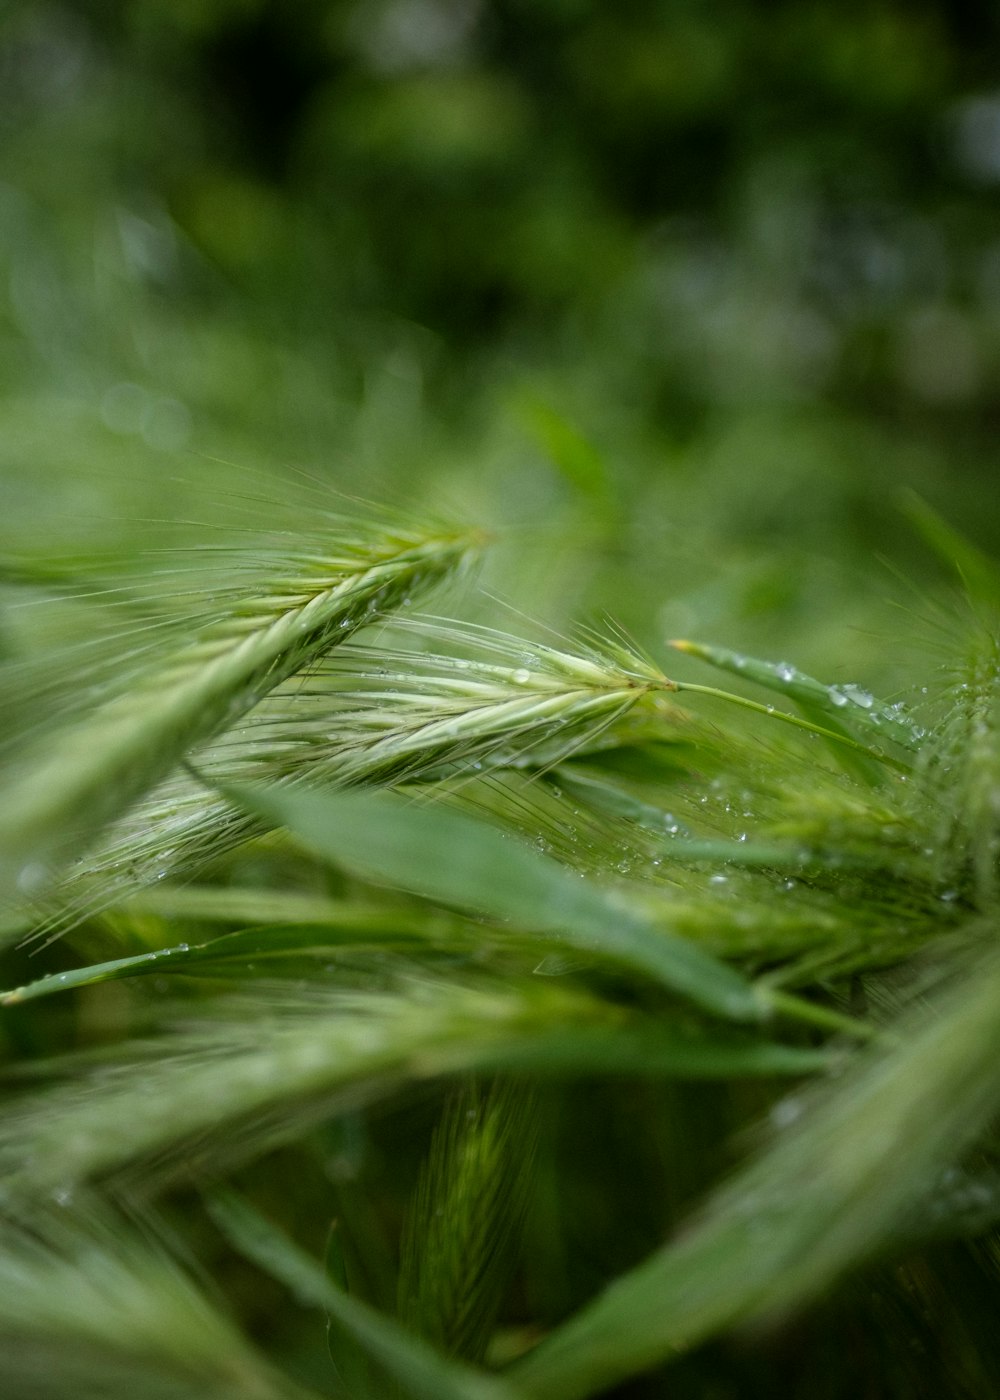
column 689, row 647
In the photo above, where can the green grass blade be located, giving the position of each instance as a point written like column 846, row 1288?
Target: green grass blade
column 256, row 905
column 841, row 1181
column 848, row 707
column 977, row 570
column 350, row 925
column 454, row 860
column 643, row 1048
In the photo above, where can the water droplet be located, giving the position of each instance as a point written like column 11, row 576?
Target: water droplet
column 555, row 965
column 785, row 1112
column 837, row 696
column 32, row 877
column 521, row 676
column 785, row 671
column 718, row 879
column 864, row 698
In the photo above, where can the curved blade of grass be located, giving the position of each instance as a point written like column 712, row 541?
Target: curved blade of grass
column 454, row 860
column 977, row 570
column 629, row 1046
column 350, row 926
column 646, row 1049
column 416, row 1368
column 839, row 705
column 838, row 1184
column 95, row 769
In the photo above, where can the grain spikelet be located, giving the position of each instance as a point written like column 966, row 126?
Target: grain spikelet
column 302, row 605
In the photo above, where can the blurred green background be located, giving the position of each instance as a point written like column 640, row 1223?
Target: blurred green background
column 680, row 296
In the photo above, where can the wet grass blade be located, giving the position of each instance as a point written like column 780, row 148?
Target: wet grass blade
column 846, row 709
column 357, row 926
column 452, row 859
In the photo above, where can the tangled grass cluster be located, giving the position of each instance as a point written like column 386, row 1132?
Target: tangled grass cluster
column 289, row 870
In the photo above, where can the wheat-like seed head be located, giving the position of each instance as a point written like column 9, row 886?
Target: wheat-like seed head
column 303, row 605
column 375, row 718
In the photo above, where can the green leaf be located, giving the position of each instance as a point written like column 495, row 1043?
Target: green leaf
column 646, row 1048
column 454, row 860
column 571, row 453
column 838, row 1183
column 345, row 926
column 843, row 708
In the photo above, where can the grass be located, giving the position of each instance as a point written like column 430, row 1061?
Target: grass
column 95, row 769
column 551, row 1023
